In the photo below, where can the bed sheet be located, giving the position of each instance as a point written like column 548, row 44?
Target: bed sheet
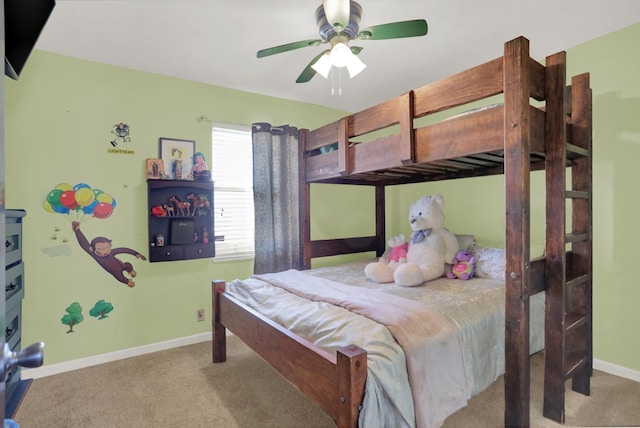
column 475, row 307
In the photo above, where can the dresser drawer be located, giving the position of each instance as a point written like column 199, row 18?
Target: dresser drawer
column 13, row 243
column 14, row 324
column 167, row 253
column 198, row 251
column 13, row 377
column 14, row 285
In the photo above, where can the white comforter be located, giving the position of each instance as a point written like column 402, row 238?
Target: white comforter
column 476, row 307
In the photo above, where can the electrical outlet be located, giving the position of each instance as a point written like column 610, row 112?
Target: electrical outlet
column 200, row 315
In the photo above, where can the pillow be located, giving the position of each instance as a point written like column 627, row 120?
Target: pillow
column 490, row 262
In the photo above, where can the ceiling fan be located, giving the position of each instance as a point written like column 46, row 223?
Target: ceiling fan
column 338, row 23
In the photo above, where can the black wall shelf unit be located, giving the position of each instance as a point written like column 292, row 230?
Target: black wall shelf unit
column 181, row 234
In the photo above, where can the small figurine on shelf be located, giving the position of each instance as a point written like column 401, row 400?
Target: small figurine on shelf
column 195, row 237
column 182, row 207
column 200, row 204
column 158, row 211
column 169, row 210
column 177, row 168
column 205, row 236
column 200, row 171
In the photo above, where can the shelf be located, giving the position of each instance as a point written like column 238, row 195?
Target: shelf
column 180, row 233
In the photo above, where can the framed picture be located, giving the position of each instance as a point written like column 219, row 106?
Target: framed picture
column 155, row 168
column 177, row 156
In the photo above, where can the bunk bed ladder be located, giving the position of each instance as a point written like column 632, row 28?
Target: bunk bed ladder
column 568, row 319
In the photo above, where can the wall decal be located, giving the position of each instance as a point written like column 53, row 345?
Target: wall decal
column 73, row 316
column 102, row 252
column 121, row 130
column 58, row 250
column 81, row 203
column 54, row 237
column 101, row 309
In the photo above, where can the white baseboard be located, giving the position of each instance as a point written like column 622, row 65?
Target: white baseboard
column 616, row 370
column 66, row 366
column 52, row 369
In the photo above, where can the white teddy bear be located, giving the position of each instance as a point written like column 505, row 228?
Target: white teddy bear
column 431, row 247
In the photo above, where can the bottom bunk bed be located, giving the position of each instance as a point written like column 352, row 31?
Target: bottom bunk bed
column 377, row 379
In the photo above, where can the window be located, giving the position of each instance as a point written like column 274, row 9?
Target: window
column 232, row 173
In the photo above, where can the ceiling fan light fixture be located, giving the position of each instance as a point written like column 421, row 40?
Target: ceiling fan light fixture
column 355, row 66
column 322, row 66
column 340, row 55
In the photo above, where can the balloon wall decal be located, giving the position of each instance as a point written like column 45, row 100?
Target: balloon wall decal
column 79, row 202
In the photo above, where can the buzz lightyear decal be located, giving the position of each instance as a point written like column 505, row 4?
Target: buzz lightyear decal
column 121, row 131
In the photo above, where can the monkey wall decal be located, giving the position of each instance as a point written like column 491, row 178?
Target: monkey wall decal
column 102, row 252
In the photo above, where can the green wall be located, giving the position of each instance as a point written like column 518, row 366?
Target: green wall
column 59, row 117
column 60, row 114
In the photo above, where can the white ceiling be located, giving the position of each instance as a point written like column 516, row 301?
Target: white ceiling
column 215, row 41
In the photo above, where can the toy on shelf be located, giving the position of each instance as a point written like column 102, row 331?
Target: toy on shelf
column 168, row 208
column 200, row 204
column 158, row 211
column 182, row 207
column 200, row 171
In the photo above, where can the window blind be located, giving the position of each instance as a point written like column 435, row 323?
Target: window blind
column 232, row 173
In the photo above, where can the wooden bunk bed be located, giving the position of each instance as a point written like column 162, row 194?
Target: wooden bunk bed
column 513, row 139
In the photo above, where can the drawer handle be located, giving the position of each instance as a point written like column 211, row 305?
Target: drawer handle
column 8, row 243
column 8, row 333
column 11, row 287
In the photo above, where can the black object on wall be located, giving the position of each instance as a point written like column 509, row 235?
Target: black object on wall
column 24, row 20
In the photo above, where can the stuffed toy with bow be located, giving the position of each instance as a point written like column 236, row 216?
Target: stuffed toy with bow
column 431, row 246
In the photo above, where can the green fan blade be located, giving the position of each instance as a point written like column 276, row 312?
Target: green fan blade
column 288, row 47
column 394, row 30
column 308, row 73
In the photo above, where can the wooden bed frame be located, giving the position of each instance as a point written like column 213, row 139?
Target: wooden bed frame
column 513, row 139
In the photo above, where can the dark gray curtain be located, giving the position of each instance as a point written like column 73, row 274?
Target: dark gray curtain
column 276, row 197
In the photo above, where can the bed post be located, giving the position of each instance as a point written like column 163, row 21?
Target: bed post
column 351, row 363
column 219, row 335
column 555, row 301
column 516, row 76
column 380, row 220
column 304, row 209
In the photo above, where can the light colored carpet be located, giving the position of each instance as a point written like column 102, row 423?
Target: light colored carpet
column 181, row 388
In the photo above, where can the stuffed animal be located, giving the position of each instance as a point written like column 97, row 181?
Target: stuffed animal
column 430, row 248
column 464, row 264
column 398, row 245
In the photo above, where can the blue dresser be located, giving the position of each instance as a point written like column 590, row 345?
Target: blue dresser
column 14, row 292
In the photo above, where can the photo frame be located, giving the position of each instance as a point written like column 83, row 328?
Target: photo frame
column 177, row 156
column 155, row 168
